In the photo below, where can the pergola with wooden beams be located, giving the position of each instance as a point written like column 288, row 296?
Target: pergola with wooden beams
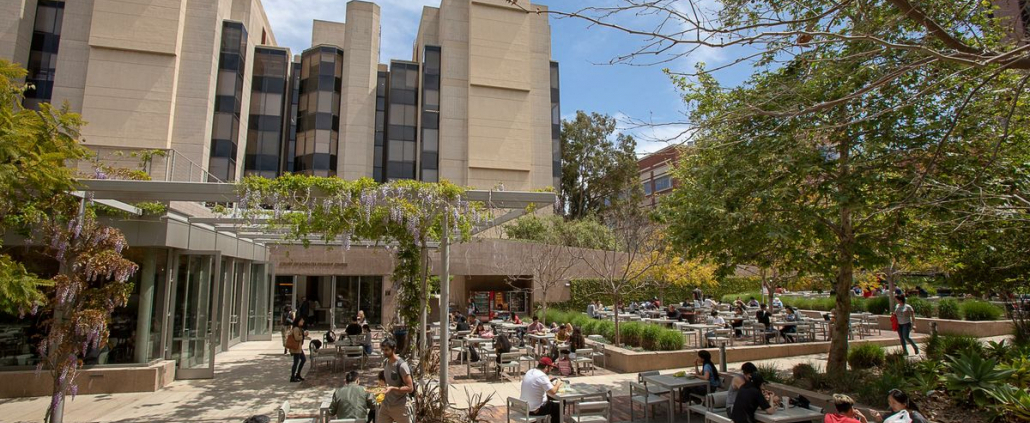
column 120, row 193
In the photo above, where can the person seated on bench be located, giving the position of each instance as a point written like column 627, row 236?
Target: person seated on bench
column 749, row 399
column 705, row 369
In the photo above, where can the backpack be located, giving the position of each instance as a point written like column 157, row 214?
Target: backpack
column 473, row 355
column 565, row 367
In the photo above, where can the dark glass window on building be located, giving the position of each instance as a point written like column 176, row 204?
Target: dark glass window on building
column 318, row 111
column 429, row 162
column 225, row 134
column 46, row 38
column 402, row 121
column 379, row 159
column 555, row 125
column 289, row 152
column 267, row 104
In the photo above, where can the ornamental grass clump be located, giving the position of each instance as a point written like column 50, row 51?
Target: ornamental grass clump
column 981, row 311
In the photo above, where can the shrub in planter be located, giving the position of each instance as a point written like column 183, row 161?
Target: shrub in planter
column 878, row 305
column 804, row 371
column 866, row 356
column 981, row 311
column 607, row 329
column 770, row 373
column 896, row 363
column 940, row 346
column 590, row 328
column 670, row 340
column 922, row 307
column 631, row 333
column 948, row 309
column 580, row 319
column 649, row 337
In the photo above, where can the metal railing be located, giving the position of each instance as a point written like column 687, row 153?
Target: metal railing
column 160, row 164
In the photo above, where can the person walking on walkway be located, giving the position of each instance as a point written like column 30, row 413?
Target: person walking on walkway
column 906, row 316
column 295, row 343
column 394, row 408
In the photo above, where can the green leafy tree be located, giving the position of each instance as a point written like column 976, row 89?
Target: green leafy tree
column 33, row 148
column 587, row 232
column 599, row 167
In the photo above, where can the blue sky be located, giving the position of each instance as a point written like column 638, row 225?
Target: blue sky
column 588, row 82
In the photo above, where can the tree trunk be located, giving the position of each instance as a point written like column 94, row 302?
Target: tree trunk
column 615, row 309
column 837, row 364
column 55, row 413
column 891, row 284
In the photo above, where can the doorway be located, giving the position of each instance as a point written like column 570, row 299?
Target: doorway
column 195, row 304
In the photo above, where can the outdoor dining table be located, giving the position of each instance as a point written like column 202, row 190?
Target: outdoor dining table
column 700, row 328
column 666, row 322
column 538, row 339
column 674, row 384
column 570, row 392
column 789, row 415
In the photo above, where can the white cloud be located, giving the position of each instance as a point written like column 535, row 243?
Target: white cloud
column 291, row 22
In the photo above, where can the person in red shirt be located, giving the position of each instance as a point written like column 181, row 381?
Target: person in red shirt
column 846, row 411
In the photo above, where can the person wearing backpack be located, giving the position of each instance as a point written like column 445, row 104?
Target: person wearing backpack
column 295, row 344
column 394, row 408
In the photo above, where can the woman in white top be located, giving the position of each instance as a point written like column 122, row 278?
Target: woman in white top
column 906, row 316
column 717, row 320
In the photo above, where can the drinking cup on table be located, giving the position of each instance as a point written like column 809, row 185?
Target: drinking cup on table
column 786, row 402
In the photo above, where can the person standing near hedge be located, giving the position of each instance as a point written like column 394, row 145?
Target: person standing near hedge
column 906, row 316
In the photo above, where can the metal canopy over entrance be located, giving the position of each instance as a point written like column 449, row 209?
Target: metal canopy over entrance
column 512, row 203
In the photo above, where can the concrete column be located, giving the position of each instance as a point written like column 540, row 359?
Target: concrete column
column 148, row 274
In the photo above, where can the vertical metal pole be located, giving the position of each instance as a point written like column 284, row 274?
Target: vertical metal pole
column 332, row 304
column 722, row 357
column 445, row 300
column 148, row 274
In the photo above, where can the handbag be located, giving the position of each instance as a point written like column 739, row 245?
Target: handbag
column 894, row 322
column 292, row 343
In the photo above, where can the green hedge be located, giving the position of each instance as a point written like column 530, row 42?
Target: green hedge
column 585, row 291
column 948, row 308
column 866, row 356
column 634, row 334
column 980, row 311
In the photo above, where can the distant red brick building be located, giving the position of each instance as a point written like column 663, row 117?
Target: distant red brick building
column 656, row 173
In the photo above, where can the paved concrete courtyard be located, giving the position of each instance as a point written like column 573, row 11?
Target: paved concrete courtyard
column 251, row 379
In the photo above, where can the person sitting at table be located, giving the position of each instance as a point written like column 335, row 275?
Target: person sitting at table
column 903, row 409
column 749, row 399
column 351, row 401
column 353, row 328
column 535, row 327
column 461, row 325
column 753, row 302
column 483, row 331
column 562, row 335
column 764, row 317
column 791, row 317
column 591, row 310
column 673, row 313
column 633, row 307
column 738, row 303
column 777, row 303
column 535, row 387
column 361, row 317
column 554, row 328
column 846, row 411
column 710, row 303
column 716, row 320
column 738, row 321
column 705, row 370
column 746, row 372
column 501, row 345
column 576, row 340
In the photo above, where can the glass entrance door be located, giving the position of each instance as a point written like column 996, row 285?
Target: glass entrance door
column 195, row 331
column 235, row 278
column 354, row 293
column 258, row 307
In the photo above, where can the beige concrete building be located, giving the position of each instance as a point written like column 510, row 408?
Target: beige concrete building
column 203, row 84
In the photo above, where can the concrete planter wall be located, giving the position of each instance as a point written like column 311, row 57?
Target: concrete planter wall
column 627, row 361
column 99, row 380
column 944, row 326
